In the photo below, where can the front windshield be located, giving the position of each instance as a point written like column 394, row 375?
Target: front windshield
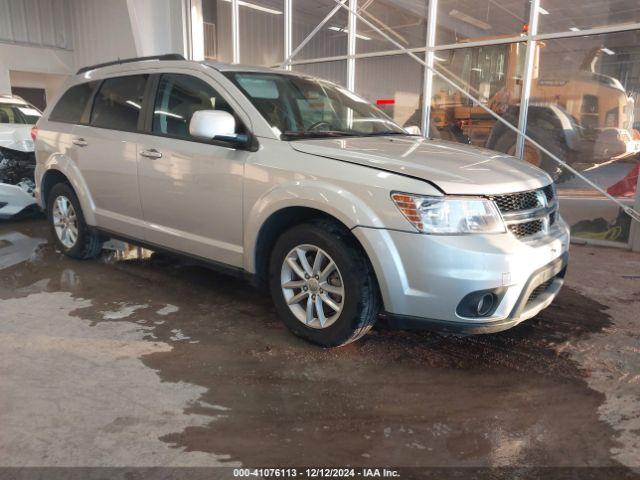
column 19, row 113
column 302, row 107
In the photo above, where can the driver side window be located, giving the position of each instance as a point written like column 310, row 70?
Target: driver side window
column 178, row 98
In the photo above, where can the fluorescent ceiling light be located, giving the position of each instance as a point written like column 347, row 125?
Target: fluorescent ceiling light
column 608, row 51
column 574, row 29
column 344, row 30
column 168, row 114
column 257, row 7
column 476, row 69
column 133, row 104
column 469, row 19
column 543, row 11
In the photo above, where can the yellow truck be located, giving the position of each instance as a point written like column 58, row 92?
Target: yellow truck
column 583, row 116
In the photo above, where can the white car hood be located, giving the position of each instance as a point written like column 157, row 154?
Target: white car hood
column 454, row 168
column 16, row 137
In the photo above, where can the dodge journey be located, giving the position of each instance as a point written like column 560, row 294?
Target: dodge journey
column 306, row 189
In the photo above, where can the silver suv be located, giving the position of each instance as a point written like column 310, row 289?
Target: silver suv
column 305, row 188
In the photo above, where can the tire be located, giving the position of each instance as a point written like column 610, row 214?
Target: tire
column 87, row 243
column 507, row 143
column 360, row 301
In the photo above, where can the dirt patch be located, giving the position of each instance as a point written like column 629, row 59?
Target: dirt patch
column 394, row 398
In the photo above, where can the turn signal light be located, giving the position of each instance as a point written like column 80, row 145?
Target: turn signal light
column 408, row 207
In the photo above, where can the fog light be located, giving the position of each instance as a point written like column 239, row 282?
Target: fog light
column 482, row 303
column 485, row 304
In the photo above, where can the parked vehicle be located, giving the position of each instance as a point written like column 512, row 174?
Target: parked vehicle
column 303, row 187
column 582, row 117
column 17, row 157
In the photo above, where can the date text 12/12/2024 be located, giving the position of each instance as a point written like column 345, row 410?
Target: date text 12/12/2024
column 316, row 472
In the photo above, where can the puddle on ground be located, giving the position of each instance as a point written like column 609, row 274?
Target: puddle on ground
column 259, row 396
column 77, row 395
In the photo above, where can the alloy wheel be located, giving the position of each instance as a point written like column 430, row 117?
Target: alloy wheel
column 312, row 286
column 65, row 221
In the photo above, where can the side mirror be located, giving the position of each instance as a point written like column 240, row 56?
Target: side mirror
column 208, row 124
column 413, row 130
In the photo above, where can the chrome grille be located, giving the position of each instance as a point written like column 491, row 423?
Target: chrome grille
column 528, row 213
column 514, row 202
column 526, row 228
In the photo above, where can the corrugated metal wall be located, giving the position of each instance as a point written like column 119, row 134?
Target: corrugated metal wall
column 331, row 41
column 37, row 22
column 225, row 48
column 335, row 71
column 262, row 34
column 101, row 31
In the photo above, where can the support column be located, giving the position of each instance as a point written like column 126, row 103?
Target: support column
column 427, row 92
column 527, row 75
column 235, row 30
column 288, row 31
column 351, row 46
column 196, row 30
column 5, row 80
column 157, row 26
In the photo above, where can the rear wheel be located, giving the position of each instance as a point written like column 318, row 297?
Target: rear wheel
column 70, row 232
column 322, row 284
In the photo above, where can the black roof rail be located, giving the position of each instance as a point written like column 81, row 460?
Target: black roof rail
column 168, row 56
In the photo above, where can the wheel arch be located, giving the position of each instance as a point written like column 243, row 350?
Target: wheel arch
column 297, row 201
column 49, row 179
column 59, row 170
column 279, row 222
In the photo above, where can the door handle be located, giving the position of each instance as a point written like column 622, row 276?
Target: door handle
column 79, row 142
column 151, row 153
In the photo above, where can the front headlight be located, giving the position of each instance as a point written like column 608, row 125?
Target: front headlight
column 450, row 215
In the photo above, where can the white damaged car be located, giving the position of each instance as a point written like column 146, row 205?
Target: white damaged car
column 17, row 158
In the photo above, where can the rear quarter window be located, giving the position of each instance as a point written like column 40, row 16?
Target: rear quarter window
column 72, row 104
column 118, row 103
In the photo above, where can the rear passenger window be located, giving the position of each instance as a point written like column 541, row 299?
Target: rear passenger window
column 118, row 103
column 178, row 98
column 71, row 105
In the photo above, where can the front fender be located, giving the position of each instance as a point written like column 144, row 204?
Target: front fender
column 61, row 163
column 337, row 202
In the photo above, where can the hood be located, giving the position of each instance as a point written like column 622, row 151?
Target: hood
column 454, row 168
column 16, row 137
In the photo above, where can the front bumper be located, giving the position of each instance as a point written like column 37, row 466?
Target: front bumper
column 14, row 200
column 423, row 278
column 16, row 181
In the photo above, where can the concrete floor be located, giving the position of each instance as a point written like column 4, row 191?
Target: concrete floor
column 142, row 360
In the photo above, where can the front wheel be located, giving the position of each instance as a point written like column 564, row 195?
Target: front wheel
column 71, row 233
column 323, row 285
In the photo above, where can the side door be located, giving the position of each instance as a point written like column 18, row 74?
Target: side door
column 56, row 133
column 191, row 189
column 107, row 154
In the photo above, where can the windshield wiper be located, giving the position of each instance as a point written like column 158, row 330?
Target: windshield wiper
column 297, row 134
column 385, row 133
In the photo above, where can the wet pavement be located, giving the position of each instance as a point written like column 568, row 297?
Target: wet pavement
column 140, row 359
